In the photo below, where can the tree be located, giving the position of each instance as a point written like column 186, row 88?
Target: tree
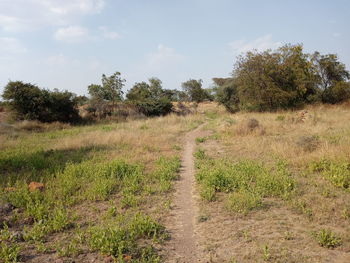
column 194, row 90
column 227, row 93
column 274, row 80
column 110, row 90
column 331, row 78
column 151, row 99
column 32, row 103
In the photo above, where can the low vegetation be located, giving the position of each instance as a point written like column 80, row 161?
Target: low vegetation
column 89, row 192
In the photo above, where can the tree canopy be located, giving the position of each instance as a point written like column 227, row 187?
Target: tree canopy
column 32, row 103
column 282, row 79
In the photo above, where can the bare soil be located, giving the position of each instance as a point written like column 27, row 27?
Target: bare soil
column 182, row 222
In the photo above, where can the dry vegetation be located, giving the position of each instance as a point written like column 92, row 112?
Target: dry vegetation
column 106, row 190
column 295, row 205
column 275, row 187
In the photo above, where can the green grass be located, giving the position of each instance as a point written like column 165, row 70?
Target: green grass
column 247, row 182
column 338, row 173
column 9, row 249
column 120, row 238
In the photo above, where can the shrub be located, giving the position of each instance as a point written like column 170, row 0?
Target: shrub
column 250, row 126
column 32, row 103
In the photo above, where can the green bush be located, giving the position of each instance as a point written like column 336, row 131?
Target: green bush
column 32, row 103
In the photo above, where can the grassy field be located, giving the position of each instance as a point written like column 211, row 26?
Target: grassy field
column 106, row 189
column 274, row 187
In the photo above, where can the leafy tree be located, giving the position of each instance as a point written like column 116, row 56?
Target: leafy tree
column 110, row 90
column 227, row 93
column 151, row 99
column 32, row 103
column 195, row 92
column 274, row 80
column 331, row 78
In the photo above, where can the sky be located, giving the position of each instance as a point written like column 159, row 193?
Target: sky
column 69, row 44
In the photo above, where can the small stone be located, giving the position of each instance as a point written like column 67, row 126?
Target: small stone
column 34, row 186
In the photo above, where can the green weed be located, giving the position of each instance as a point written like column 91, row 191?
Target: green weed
column 326, row 238
column 338, row 173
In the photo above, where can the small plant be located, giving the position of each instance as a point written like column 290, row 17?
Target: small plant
column 288, row 235
column 202, row 218
column 280, row 118
column 266, row 253
column 326, row 238
column 243, row 201
column 200, row 140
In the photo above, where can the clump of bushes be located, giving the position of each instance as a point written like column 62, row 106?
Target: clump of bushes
column 29, row 102
column 151, row 99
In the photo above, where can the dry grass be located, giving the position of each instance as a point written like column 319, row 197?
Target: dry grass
column 299, row 138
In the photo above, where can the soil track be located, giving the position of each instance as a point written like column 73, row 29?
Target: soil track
column 183, row 246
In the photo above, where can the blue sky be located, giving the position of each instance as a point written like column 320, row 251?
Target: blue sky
column 69, row 44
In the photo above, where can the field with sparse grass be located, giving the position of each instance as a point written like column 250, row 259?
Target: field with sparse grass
column 272, row 187
column 275, row 187
column 106, row 189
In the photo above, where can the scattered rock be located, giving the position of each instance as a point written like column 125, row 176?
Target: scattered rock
column 34, row 186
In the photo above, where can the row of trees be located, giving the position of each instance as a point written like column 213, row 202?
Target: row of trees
column 282, row 79
column 30, row 102
column 261, row 81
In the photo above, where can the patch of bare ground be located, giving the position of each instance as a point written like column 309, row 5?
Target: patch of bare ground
column 183, row 247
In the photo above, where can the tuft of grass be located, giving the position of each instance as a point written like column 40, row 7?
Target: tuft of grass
column 326, row 238
column 122, row 238
column 243, row 201
column 200, row 140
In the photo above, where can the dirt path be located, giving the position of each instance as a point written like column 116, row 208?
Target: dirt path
column 183, row 246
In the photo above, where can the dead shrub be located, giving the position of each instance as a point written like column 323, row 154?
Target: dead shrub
column 250, row 126
column 308, row 143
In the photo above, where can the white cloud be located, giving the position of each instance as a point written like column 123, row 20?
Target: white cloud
column 260, row 44
column 66, row 7
column 71, row 34
column 61, row 60
column 164, row 56
column 11, row 45
column 19, row 15
column 336, row 34
column 106, row 33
